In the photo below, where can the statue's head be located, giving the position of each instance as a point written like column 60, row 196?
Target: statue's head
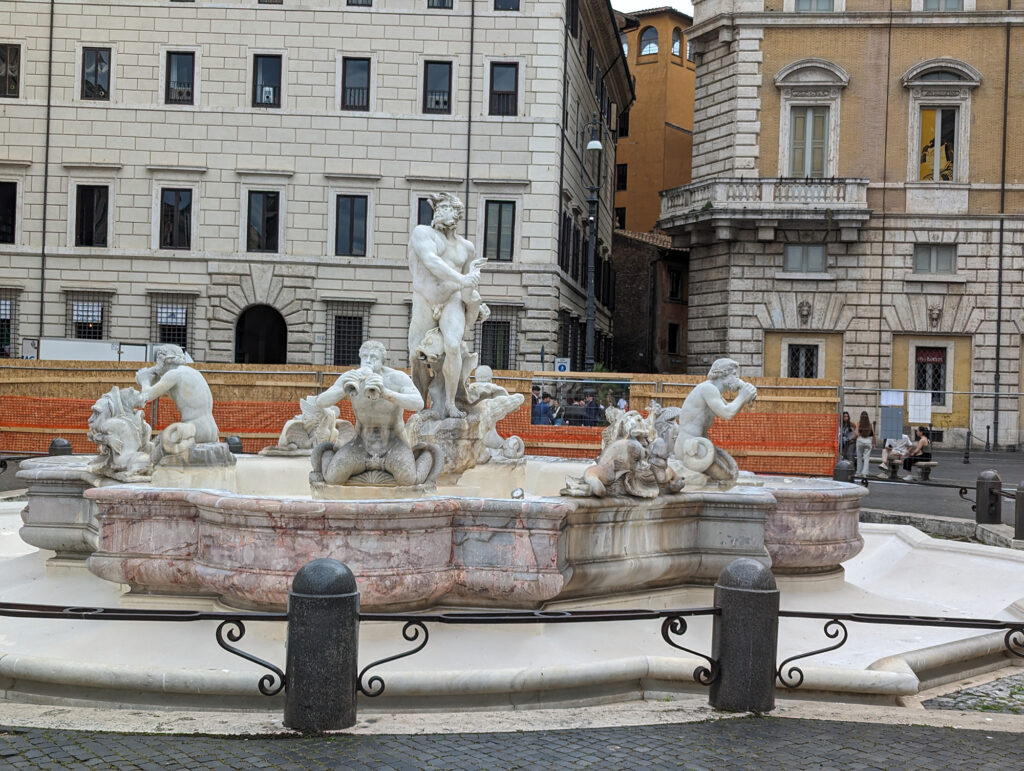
column 372, row 354
column 448, row 210
column 483, row 374
column 725, row 371
column 169, row 356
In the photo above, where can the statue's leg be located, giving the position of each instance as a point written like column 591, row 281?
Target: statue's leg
column 453, row 328
column 725, row 468
column 346, row 463
column 400, row 463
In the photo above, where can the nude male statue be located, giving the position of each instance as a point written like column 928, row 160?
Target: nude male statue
column 698, row 412
column 445, row 275
column 379, row 396
column 187, row 388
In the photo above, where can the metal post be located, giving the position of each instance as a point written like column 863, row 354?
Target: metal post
column 323, row 648
column 843, row 472
column 745, row 638
column 988, row 444
column 967, row 448
column 1018, row 513
column 588, row 356
column 988, row 505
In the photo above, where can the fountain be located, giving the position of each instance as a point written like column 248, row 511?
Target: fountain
column 436, row 509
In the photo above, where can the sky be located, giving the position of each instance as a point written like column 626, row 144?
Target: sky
column 640, row 5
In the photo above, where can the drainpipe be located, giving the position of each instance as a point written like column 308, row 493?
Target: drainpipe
column 469, row 115
column 565, row 121
column 885, row 180
column 46, row 176
column 1002, row 218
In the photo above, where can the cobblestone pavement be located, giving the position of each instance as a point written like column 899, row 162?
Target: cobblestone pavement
column 1003, row 695
column 734, row 744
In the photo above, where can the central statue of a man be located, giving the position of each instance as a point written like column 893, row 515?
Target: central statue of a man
column 445, row 276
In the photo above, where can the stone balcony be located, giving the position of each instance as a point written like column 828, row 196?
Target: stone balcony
column 715, row 208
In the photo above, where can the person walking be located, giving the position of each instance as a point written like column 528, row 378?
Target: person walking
column 847, row 438
column 865, row 441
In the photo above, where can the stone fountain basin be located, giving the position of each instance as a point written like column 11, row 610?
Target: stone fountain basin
column 471, row 544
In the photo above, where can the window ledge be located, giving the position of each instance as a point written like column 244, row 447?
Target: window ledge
column 487, row 181
column 352, row 176
column 936, row 278
column 182, row 169
column 264, row 172
column 792, row 276
column 91, row 165
column 14, row 162
column 924, row 185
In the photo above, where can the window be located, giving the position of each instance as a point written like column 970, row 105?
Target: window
column 934, row 258
column 624, row 42
column 590, row 62
column 424, row 212
column 86, row 315
column 264, row 221
column 355, row 84
column 938, row 144
column 439, row 4
column 943, row 5
column 620, row 217
column 180, row 77
column 813, row 6
column 8, row 212
column 930, row 373
column 623, row 124
column 496, row 338
column 96, row 73
column 809, row 142
column 802, row 361
column 350, row 231
column 91, row 203
column 673, row 338
column 504, row 88
column 804, row 258
column 506, row 5
column 8, row 323
column 621, row 176
column 677, row 42
column 10, row 70
column 689, row 50
column 175, row 218
column 499, row 227
column 171, row 319
column 572, row 16
column 366, row 3
column 348, row 325
column 271, row 2
column 648, row 41
column 266, row 80
column 675, row 284
column 437, row 87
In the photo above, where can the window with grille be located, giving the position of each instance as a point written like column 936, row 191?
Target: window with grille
column 564, row 322
column 175, row 218
column 10, row 70
column 8, row 212
column 355, row 84
column 172, row 319
column 804, row 258
column 348, row 327
column 930, row 373
column 437, row 87
column 934, row 258
column 504, row 98
column 496, row 338
column 366, row 3
column 8, row 323
column 439, row 4
column 87, row 315
column 262, row 232
column 266, row 80
column 803, row 361
column 96, row 73
column 180, row 84
column 499, row 230
column 350, row 232
column 91, row 203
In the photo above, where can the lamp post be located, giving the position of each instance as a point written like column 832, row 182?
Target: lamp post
column 593, row 150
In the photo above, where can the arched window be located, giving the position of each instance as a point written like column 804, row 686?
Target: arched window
column 677, row 41
column 648, row 41
column 625, row 43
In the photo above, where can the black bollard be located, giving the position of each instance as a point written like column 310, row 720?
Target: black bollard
column 323, row 648
column 234, row 444
column 843, row 472
column 59, row 446
column 745, row 638
column 988, row 504
column 1018, row 513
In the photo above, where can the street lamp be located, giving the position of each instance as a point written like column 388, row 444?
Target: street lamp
column 593, row 150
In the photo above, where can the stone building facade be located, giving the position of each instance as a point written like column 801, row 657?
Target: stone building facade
column 656, row 137
column 241, row 177
column 857, row 209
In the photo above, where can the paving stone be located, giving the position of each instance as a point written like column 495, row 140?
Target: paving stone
column 1003, row 695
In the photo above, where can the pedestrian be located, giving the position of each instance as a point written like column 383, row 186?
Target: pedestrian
column 921, row 451
column 592, row 412
column 865, row 442
column 847, row 438
column 542, row 412
column 557, row 413
column 534, row 396
column 622, row 404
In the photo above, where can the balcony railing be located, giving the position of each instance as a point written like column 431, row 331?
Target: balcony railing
column 503, row 103
column 179, row 92
column 356, row 98
column 436, row 101
column 765, row 194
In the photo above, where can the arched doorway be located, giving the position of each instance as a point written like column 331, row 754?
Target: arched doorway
column 261, row 336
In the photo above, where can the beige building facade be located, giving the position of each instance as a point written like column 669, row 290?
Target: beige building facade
column 857, row 209
column 241, row 177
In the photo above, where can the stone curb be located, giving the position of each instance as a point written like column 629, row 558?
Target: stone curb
column 946, row 527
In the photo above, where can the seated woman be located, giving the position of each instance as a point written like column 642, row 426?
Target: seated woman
column 921, row 451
